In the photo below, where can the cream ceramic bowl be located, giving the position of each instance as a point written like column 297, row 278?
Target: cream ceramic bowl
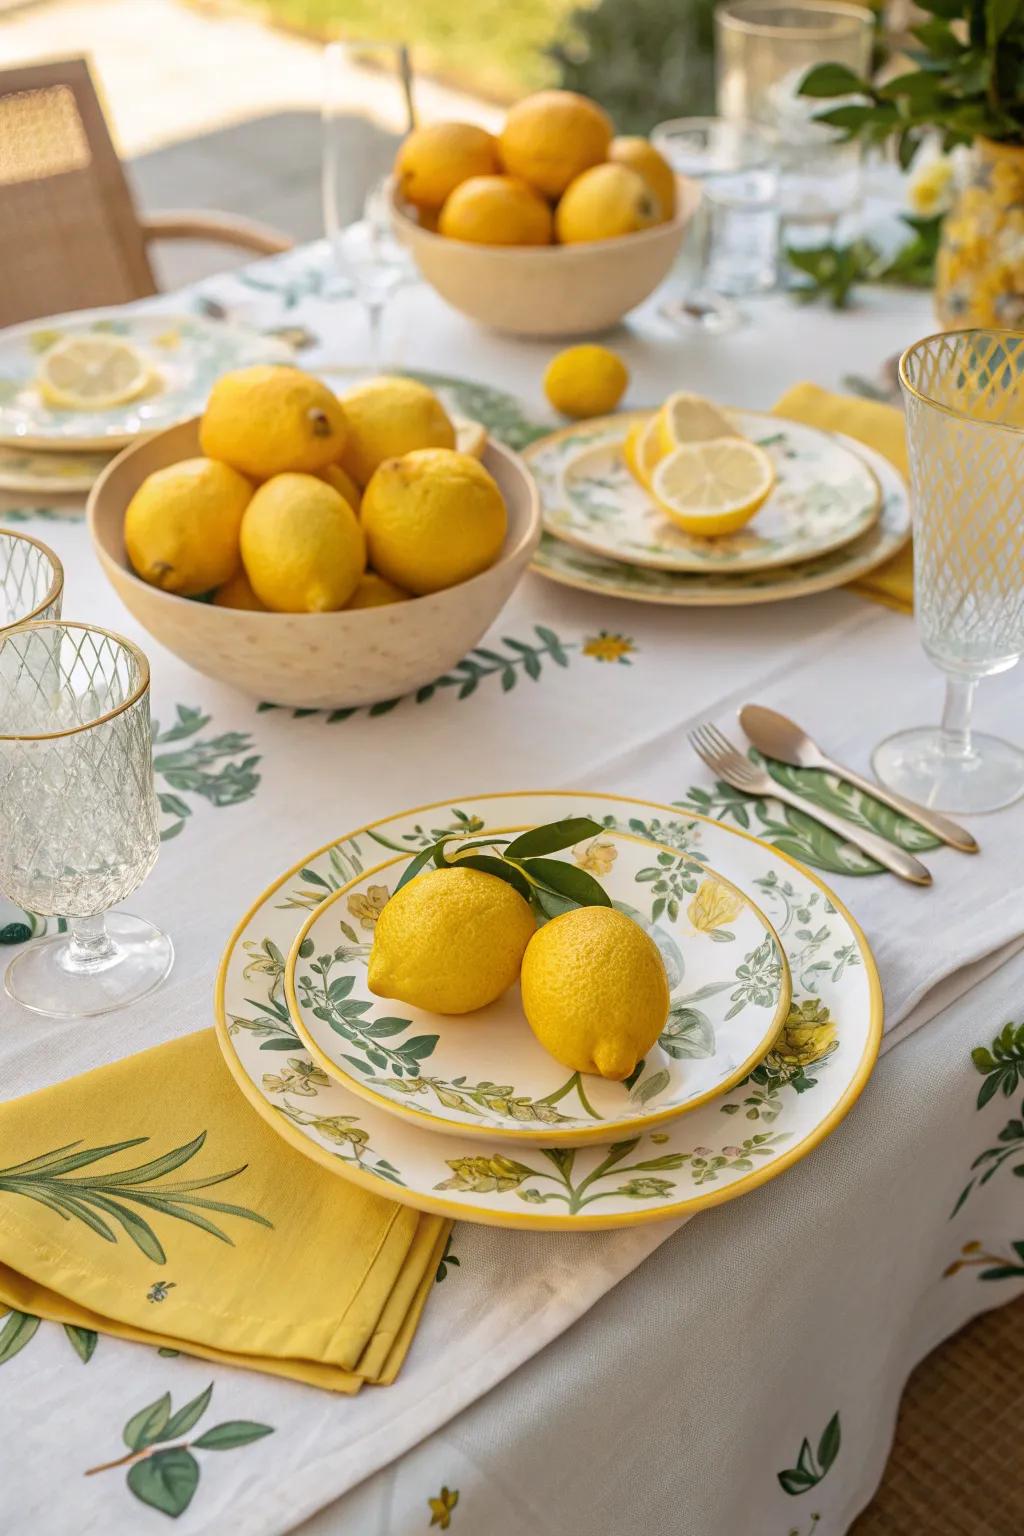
column 549, row 290
column 313, row 660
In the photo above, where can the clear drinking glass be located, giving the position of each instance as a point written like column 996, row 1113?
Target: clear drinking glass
column 31, row 580
column 964, row 395
column 732, row 251
column 367, row 110
column 78, row 815
column 763, row 50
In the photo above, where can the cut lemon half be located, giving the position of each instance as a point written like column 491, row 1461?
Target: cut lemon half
column 92, row 373
column 686, row 418
column 713, row 488
column 470, row 436
column 642, row 450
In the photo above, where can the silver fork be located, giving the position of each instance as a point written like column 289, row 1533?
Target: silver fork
column 718, row 752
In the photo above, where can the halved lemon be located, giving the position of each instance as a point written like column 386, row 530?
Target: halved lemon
column 714, row 487
column 687, row 418
column 642, row 450
column 470, row 436
column 92, row 373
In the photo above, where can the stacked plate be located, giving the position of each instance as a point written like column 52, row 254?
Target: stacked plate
column 773, row 1029
column 836, row 511
column 47, row 448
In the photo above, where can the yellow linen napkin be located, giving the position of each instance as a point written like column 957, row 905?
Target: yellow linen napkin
column 881, row 427
column 147, row 1199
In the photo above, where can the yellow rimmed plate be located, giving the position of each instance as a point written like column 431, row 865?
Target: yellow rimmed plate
column 793, row 1099
column 824, row 496
column 485, row 1075
column 571, row 566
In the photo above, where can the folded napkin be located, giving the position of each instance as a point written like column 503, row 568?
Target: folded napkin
column 148, row 1200
column 881, row 427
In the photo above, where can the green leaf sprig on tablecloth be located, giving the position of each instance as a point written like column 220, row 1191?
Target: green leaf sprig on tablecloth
column 166, row 1476
column 811, row 1467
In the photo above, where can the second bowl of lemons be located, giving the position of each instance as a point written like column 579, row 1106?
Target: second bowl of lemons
column 311, row 550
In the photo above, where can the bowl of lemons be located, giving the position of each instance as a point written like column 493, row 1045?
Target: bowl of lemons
column 554, row 227
column 313, row 550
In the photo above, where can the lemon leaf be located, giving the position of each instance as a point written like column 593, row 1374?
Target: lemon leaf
column 567, row 880
column 550, row 838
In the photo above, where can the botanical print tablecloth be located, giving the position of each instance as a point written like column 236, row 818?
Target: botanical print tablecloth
column 567, row 691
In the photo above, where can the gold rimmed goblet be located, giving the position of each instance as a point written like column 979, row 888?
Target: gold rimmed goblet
column 78, row 815
column 964, row 395
column 31, row 580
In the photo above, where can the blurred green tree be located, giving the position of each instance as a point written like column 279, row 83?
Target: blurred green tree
column 643, row 60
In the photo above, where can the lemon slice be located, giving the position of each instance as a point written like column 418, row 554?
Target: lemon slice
column 714, row 487
column 92, row 373
column 642, row 449
column 470, row 436
column 686, row 418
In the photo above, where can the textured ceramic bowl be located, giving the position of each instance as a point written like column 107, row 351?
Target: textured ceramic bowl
column 549, row 290
column 313, row 660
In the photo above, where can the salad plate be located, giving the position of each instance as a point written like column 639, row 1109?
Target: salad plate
column 184, row 354
column 824, row 496
column 573, row 567
column 485, row 1074
column 799, row 1093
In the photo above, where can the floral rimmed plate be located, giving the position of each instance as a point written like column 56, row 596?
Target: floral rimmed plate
column 801, row 1091
column 824, row 496
column 49, row 474
column 573, row 567
column 485, row 1074
column 185, row 353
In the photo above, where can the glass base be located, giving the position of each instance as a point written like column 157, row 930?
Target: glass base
column 919, row 765
column 45, row 977
column 700, row 310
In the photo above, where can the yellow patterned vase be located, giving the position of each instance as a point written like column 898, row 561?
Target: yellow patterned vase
column 979, row 274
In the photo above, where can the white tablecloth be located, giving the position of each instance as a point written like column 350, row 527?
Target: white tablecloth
column 690, row 1386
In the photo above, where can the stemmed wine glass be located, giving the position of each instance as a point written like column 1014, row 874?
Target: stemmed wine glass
column 367, row 109
column 78, row 815
column 964, row 395
column 31, row 580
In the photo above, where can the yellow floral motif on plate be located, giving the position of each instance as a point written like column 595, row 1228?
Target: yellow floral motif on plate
column 714, row 906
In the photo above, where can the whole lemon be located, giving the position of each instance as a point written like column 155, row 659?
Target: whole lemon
column 641, row 156
column 181, row 527
column 238, row 593
column 605, row 202
column 343, row 483
column 388, row 416
column 266, row 420
column 302, row 546
column 433, row 160
column 549, row 138
column 585, row 381
column 372, row 591
column 595, row 992
column 496, row 210
column 432, row 518
column 450, row 941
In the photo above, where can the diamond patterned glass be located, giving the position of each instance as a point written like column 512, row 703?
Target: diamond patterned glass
column 31, row 580
column 964, row 396
column 78, row 812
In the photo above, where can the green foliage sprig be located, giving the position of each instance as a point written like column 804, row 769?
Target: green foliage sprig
column 967, row 82
column 832, row 271
column 522, row 861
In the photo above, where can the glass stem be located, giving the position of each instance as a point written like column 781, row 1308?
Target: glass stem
column 956, row 716
column 89, row 943
column 375, row 315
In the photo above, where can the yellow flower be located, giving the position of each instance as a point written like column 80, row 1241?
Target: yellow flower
column 606, row 647
column 808, row 1034
column 297, row 1077
column 597, row 857
column 169, row 340
column 714, row 906
column 441, row 1507
column 367, row 906
column 930, row 190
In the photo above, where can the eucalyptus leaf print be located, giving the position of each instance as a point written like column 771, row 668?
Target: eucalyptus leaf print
column 990, row 1266
column 507, row 661
column 200, row 769
column 1001, row 1064
column 165, row 1476
column 105, row 1200
column 447, row 1261
column 812, row 1465
column 18, row 1328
